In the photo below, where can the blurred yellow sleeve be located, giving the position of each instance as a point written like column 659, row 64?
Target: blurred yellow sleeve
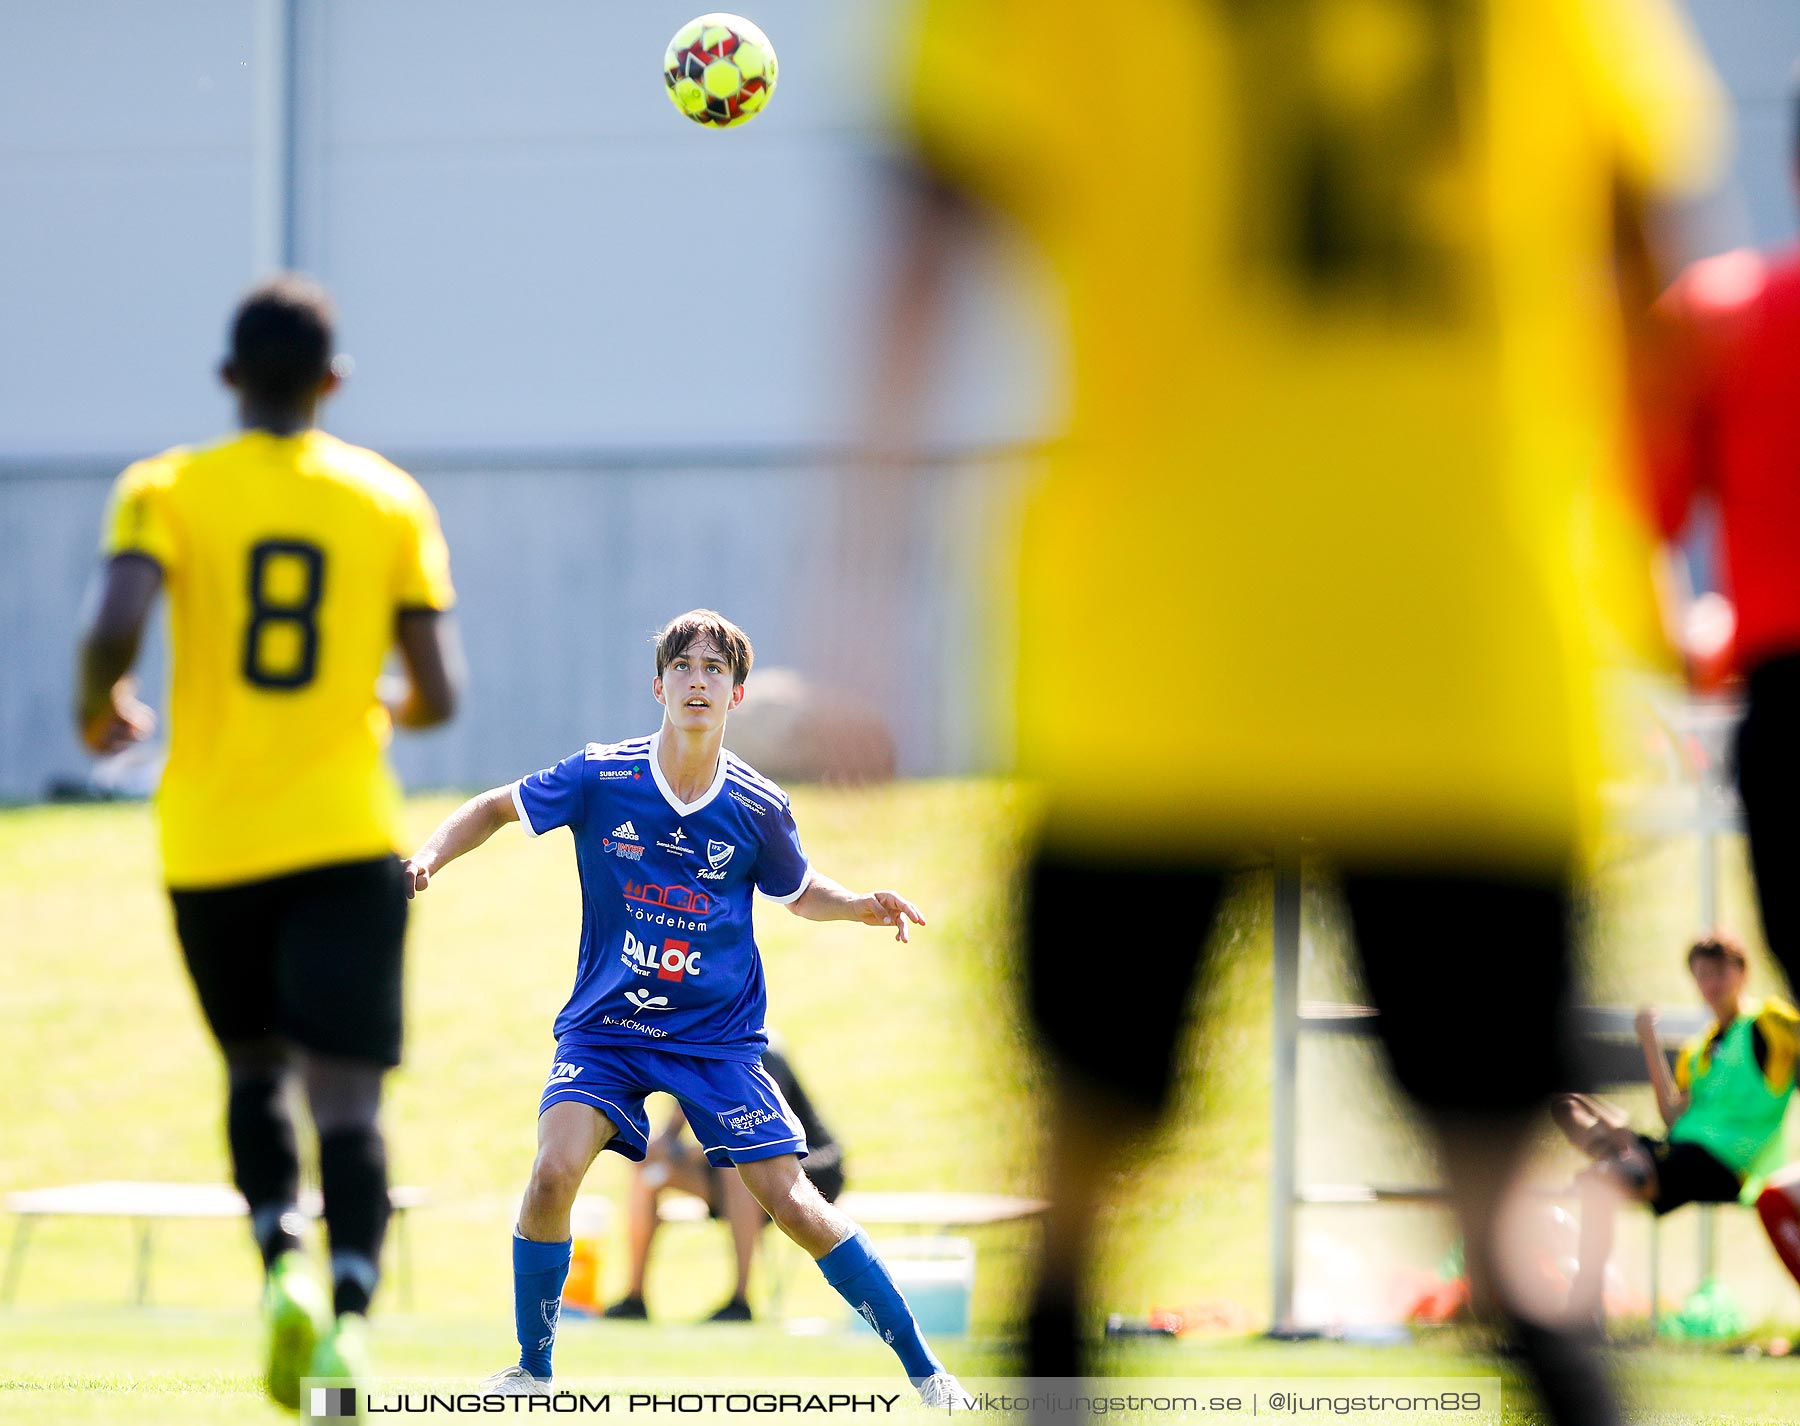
column 138, row 515
column 1666, row 107
column 424, row 575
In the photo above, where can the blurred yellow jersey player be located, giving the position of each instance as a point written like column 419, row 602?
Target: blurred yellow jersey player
column 293, row 563
column 1334, row 528
column 1345, row 397
column 288, row 559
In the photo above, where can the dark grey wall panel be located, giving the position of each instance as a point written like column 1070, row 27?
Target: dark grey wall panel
column 49, row 536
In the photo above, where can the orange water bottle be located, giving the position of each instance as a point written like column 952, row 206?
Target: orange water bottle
column 587, row 1225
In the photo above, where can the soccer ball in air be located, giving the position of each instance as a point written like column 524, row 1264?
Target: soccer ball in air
column 720, row 70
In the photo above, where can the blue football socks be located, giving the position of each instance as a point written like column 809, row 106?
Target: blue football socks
column 863, row 1281
column 539, row 1271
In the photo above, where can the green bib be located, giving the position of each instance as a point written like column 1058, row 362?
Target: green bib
column 1732, row 1113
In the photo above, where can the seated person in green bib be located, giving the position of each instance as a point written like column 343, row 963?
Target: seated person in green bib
column 1723, row 1105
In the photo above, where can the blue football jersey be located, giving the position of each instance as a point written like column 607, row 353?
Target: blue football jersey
column 668, row 957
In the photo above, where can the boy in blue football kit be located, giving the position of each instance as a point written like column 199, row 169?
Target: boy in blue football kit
column 674, row 835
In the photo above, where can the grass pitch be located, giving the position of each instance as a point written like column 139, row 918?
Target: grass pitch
column 915, row 1054
column 190, row 1368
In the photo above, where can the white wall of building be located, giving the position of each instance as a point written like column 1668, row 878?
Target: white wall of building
column 572, row 312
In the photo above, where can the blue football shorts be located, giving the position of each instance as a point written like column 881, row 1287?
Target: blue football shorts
column 734, row 1109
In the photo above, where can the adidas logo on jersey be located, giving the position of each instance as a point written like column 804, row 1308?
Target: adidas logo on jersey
column 627, row 831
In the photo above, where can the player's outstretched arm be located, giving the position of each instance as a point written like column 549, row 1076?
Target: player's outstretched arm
column 435, row 670
column 826, row 900
column 462, row 831
column 108, row 713
column 1671, row 1099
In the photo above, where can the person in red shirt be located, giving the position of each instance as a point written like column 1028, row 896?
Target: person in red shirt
column 1724, row 429
column 1721, row 411
column 1725, row 425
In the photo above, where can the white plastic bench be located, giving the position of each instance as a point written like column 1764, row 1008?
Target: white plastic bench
column 938, row 1212
column 148, row 1204
column 893, row 1210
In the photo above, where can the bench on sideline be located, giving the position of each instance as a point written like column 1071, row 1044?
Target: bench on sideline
column 938, row 1212
column 1609, row 1049
column 872, row 1209
column 148, row 1204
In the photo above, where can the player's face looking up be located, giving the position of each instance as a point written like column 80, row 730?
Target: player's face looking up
column 697, row 688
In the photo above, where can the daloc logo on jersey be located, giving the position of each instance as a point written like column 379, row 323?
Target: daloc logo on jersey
column 673, row 960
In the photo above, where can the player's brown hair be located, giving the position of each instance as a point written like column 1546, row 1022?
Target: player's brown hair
column 281, row 338
column 705, row 626
column 1718, row 947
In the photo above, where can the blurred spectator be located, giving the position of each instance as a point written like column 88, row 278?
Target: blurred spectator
column 1723, row 437
column 1723, row 434
column 675, row 1161
column 1723, row 1106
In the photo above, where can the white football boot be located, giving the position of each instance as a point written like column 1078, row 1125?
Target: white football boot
column 945, row 1393
column 514, row 1381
